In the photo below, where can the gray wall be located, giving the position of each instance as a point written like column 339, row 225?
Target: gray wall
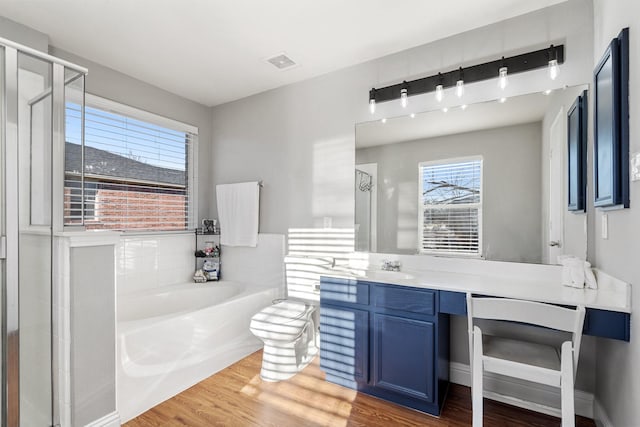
column 618, row 376
column 111, row 84
column 300, row 138
column 510, row 189
column 27, row 36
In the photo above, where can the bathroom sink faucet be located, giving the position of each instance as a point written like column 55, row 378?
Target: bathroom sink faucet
column 388, row 265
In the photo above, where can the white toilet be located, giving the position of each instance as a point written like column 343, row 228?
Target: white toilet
column 288, row 331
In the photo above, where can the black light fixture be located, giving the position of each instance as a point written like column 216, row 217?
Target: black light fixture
column 553, row 63
column 503, row 80
column 440, row 89
column 460, row 84
column 372, row 101
column 404, row 94
column 549, row 57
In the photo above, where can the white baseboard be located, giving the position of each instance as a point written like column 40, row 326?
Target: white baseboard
column 536, row 397
column 600, row 415
column 109, row 420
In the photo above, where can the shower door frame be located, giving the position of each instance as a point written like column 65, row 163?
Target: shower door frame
column 9, row 229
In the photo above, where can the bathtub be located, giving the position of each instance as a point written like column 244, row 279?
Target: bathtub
column 172, row 337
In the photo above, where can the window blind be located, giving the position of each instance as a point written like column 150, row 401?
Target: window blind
column 130, row 174
column 451, row 207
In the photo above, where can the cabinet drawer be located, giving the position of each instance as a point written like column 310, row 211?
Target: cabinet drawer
column 343, row 291
column 453, row 302
column 412, row 300
column 608, row 324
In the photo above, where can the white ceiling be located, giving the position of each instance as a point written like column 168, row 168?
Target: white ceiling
column 214, row 51
column 486, row 115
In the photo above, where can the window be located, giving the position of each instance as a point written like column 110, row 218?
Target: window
column 134, row 172
column 450, row 217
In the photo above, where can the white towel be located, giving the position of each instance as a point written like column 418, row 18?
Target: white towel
column 239, row 213
column 577, row 272
column 589, row 278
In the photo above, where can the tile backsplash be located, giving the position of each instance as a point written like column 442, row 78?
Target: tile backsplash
column 148, row 261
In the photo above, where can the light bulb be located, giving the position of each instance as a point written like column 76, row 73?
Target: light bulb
column 554, row 70
column 503, row 100
column 404, row 100
column 503, row 80
column 372, row 106
column 459, row 88
column 439, row 93
column 463, row 106
column 445, row 109
column 546, row 92
column 412, row 115
column 384, row 120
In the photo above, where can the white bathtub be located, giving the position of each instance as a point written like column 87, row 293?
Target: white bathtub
column 172, row 337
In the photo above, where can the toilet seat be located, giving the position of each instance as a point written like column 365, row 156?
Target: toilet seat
column 284, row 321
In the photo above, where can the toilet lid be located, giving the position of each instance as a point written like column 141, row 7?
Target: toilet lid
column 283, row 321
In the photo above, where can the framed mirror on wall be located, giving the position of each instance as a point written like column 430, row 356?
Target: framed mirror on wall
column 611, row 125
column 577, row 154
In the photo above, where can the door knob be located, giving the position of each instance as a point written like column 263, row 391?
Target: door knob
column 555, row 243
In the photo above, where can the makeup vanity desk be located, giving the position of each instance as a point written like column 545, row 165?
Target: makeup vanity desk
column 387, row 333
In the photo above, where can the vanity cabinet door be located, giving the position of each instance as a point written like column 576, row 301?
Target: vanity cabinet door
column 404, row 355
column 344, row 342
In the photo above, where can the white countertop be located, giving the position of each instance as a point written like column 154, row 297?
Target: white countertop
column 612, row 294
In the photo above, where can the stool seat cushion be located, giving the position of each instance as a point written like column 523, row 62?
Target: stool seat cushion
column 529, row 353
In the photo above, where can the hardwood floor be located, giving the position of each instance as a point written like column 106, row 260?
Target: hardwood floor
column 236, row 396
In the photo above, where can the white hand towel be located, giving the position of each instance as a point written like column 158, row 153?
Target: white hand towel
column 574, row 271
column 239, row 213
column 589, row 277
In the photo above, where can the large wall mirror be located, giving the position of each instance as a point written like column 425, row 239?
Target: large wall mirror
column 486, row 180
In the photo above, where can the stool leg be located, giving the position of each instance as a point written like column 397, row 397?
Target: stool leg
column 566, row 386
column 476, row 382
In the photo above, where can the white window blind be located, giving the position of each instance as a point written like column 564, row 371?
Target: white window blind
column 131, row 174
column 450, row 216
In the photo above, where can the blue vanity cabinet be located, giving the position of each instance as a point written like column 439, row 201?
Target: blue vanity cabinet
column 403, row 352
column 344, row 331
column 598, row 323
column 388, row 341
column 344, row 343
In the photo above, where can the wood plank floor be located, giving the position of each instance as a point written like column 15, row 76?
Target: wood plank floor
column 236, row 396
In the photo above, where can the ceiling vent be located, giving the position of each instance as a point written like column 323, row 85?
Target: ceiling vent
column 282, row 62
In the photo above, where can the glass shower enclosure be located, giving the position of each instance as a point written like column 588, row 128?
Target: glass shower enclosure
column 34, row 89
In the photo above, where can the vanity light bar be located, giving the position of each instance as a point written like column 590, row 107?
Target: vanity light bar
column 475, row 73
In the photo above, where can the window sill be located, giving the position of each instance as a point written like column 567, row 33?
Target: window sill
column 451, row 255
column 134, row 233
column 80, row 237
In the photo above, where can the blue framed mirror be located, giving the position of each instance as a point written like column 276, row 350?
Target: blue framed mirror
column 611, row 125
column 577, row 154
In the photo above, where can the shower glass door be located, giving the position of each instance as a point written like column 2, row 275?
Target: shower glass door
column 35, row 154
column 35, row 338
column 3, row 269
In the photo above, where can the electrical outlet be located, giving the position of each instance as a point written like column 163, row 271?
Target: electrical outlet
column 605, row 226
